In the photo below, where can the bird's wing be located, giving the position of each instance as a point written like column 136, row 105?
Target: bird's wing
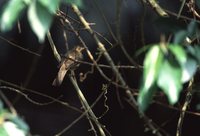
column 61, row 74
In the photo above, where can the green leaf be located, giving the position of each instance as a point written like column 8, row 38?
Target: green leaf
column 40, row 19
column 194, row 52
column 192, row 28
column 142, row 50
column 152, row 64
column 189, row 69
column 179, row 53
column 12, row 129
column 76, row 2
column 190, row 50
column 11, row 13
column 51, row 5
column 179, row 37
column 145, row 97
column 169, row 80
column 20, row 123
column 27, row 1
column 1, row 106
column 197, row 52
column 188, row 65
column 3, row 131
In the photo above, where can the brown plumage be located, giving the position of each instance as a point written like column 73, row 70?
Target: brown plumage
column 68, row 62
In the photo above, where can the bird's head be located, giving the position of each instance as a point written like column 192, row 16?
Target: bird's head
column 79, row 48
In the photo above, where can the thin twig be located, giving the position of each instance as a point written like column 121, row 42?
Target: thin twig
column 184, row 108
column 142, row 21
column 100, row 45
column 19, row 27
column 114, row 69
column 82, row 115
column 64, row 16
column 86, row 105
column 19, row 47
column 181, row 8
column 151, row 125
column 119, row 39
column 154, row 4
column 105, row 91
column 105, row 66
column 91, row 56
column 104, row 38
column 72, row 124
column 60, row 14
column 191, row 6
column 176, row 109
column 53, row 47
column 105, row 20
column 26, row 96
column 30, row 72
column 181, row 16
column 81, row 96
column 32, row 66
column 8, row 103
column 42, row 95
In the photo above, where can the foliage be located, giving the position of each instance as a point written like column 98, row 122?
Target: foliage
column 40, row 14
column 169, row 66
column 11, row 125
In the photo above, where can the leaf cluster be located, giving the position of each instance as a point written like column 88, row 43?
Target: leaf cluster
column 40, row 14
column 11, row 124
column 167, row 66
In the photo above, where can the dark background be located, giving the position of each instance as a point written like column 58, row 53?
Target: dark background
column 37, row 73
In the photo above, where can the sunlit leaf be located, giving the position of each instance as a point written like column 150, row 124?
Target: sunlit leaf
column 152, row 63
column 12, row 129
column 11, row 13
column 169, row 80
column 40, row 19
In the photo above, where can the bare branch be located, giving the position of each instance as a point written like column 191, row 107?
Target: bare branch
column 184, row 108
column 86, row 106
column 9, row 104
column 53, row 47
column 19, row 47
column 151, row 126
column 42, row 95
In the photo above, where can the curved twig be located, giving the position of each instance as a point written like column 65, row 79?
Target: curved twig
column 184, row 108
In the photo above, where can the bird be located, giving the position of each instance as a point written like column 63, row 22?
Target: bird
column 68, row 62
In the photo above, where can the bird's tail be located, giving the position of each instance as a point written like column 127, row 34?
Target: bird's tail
column 59, row 79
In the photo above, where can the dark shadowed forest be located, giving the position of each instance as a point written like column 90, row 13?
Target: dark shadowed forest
column 99, row 67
